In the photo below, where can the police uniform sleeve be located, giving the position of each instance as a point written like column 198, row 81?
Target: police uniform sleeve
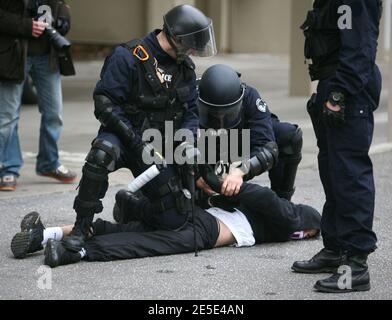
column 358, row 48
column 113, row 90
column 258, row 120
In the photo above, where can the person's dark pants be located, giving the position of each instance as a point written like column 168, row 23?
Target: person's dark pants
column 93, row 185
column 137, row 240
column 346, row 174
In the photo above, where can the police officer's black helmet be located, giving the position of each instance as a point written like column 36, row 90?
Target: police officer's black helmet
column 220, row 98
column 190, row 30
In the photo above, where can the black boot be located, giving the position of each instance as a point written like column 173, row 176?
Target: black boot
column 326, row 261
column 341, row 281
column 30, row 238
column 57, row 255
column 80, row 232
column 128, row 207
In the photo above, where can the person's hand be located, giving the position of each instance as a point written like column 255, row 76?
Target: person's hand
column 334, row 110
column 232, row 184
column 38, row 28
column 201, row 184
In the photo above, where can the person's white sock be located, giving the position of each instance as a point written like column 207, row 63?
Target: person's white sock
column 55, row 233
column 83, row 253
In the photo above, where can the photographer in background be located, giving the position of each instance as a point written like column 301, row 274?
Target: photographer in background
column 32, row 42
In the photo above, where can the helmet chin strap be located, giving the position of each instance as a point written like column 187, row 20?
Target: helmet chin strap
column 180, row 57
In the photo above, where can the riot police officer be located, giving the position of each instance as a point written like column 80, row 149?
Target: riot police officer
column 343, row 55
column 227, row 103
column 143, row 83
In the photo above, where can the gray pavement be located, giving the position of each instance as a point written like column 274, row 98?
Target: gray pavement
column 260, row 272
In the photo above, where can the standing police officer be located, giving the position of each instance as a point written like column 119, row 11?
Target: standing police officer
column 227, row 103
column 143, row 84
column 343, row 58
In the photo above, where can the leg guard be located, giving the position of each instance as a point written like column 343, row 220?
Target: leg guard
column 92, row 188
column 94, row 183
column 290, row 147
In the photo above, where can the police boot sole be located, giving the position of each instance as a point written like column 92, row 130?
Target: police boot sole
column 20, row 244
column 314, row 271
column 29, row 221
column 363, row 287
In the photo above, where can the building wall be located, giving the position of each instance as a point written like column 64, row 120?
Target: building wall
column 107, row 22
column 260, row 26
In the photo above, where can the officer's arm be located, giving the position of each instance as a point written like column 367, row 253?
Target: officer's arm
column 114, row 90
column 257, row 120
column 358, row 48
column 15, row 25
column 263, row 148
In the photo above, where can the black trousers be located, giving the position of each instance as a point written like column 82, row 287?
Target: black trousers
column 138, row 240
column 346, row 172
column 272, row 219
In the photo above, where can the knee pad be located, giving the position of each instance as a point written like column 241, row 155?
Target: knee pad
column 290, row 145
column 103, row 154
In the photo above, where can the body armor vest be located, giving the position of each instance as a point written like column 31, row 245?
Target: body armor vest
column 153, row 103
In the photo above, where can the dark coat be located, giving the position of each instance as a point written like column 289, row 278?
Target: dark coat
column 15, row 30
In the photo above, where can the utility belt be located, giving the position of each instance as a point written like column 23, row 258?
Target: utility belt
column 174, row 196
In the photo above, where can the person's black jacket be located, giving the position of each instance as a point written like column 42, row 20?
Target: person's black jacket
column 15, row 30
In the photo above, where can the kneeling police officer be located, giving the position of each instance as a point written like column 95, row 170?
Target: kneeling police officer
column 225, row 102
column 144, row 83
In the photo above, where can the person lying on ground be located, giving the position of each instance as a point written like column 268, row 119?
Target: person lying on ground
column 260, row 217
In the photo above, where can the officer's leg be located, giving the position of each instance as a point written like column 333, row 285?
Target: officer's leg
column 352, row 179
column 289, row 139
column 328, row 226
column 100, row 161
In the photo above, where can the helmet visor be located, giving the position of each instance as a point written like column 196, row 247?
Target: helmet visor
column 200, row 43
column 220, row 116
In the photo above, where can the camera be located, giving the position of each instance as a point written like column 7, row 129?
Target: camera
column 59, row 42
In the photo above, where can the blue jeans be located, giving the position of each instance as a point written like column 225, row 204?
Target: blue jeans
column 48, row 84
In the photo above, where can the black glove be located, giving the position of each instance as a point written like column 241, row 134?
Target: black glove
column 335, row 118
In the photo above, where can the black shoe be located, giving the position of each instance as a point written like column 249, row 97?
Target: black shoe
column 326, row 261
column 342, row 282
column 30, row 238
column 126, row 207
column 76, row 239
column 57, row 255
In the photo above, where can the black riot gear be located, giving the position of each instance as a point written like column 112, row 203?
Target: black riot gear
column 189, row 32
column 220, row 98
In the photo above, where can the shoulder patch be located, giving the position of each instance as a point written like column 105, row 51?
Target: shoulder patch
column 261, row 105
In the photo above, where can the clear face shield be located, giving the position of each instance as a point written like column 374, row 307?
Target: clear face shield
column 220, row 116
column 200, row 43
